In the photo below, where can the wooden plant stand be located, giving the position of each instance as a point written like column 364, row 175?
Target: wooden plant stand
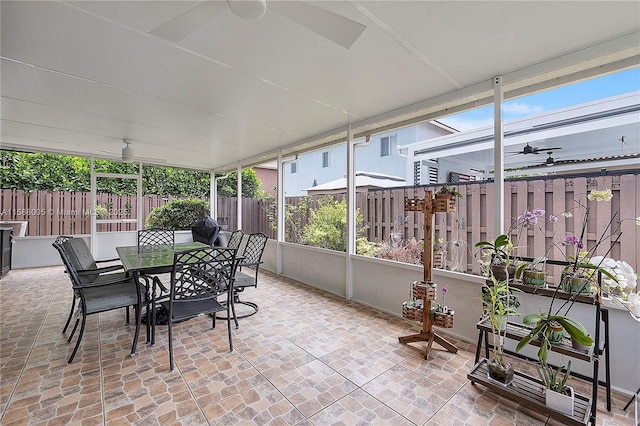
column 428, row 207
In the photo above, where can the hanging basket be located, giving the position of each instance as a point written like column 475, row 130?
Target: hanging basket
column 412, row 313
column 424, row 290
column 437, row 260
column 443, row 320
column 414, row 205
column 444, row 205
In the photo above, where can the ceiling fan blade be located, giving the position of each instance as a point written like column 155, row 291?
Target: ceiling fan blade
column 182, row 25
column 337, row 28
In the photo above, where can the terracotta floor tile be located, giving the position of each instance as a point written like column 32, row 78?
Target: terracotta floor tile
column 307, row 358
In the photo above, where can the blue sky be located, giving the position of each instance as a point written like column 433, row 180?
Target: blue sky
column 586, row 91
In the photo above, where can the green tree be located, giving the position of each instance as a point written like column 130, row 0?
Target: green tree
column 49, row 172
column 251, row 185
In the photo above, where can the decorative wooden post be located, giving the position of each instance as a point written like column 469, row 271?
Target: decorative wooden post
column 428, row 207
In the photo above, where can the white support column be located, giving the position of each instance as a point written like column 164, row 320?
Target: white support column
column 239, row 203
column 498, row 160
column 213, row 195
column 351, row 211
column 94, row 203
column 139, row 199
column 280, row 213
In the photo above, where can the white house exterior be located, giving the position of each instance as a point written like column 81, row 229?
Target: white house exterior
column 603, row 134
column 380, row 156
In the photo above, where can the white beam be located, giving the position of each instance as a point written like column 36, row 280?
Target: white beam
column 239, row 198
column 498, row 163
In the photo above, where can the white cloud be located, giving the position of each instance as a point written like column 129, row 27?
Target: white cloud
column 521, row 108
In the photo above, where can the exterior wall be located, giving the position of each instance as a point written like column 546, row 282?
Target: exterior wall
column 269, row 178
column 309, row 165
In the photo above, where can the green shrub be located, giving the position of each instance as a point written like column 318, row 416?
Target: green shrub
column 327, row 226
column 177, row 215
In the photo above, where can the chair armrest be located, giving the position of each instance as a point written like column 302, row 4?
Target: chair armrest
column 241, row 264
column 95, row 271
column 104, row 283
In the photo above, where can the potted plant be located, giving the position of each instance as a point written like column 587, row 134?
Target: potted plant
column 546, row 329
column 499, row 251
column 496, row 301
column 446, row 192
column 533, row 273
column 558, row 395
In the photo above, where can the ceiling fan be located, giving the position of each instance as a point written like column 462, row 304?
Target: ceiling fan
column 528, row 149
column 337, row 28
column 128, row 156
column 550, row 160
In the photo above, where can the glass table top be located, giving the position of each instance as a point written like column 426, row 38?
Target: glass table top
column 141, row 258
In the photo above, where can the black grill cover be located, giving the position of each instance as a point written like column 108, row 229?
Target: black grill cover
column 205, row 230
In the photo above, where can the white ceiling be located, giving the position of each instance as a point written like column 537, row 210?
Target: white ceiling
column 78, row 77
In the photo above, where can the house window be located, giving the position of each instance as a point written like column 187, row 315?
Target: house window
column 386, row 143
column 325, row 159
column 294, row 167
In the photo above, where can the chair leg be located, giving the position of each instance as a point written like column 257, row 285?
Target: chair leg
column 242, row 302
column 229, row 325
column 73, row 305
column 75, row 327
column 73, row 354
column 170, row 344
column 138, row 311
column 235, row 317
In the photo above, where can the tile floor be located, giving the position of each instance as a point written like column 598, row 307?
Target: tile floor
column 307, row 358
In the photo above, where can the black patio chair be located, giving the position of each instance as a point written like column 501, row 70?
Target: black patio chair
column 86, row 261
column 248, row 267
column 159, row 278
column 235, row 240
column 99, row 292
column 154, row 237
column 198, row 278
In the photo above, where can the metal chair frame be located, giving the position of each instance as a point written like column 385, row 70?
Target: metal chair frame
column 154, row 237
column 198, row 278
column 251, row 259
column 58, row 245
column 100, row 292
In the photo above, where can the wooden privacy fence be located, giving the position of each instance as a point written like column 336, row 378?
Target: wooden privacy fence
column 54, row 213
column 69, row 213
column 473, row 219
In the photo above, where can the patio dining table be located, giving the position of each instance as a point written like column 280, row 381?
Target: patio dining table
column 152, row 260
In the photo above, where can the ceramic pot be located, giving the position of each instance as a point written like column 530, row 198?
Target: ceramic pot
column 501, row 272
column 560, row 402
column 578, row 346
column 575, row 284
column 557, row 333
column 533, row 278
column 502, row 374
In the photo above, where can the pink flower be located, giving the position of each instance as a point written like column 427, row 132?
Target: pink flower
column 573, row 241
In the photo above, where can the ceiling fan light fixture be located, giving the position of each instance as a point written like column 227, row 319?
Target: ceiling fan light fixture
column 127, row 151
column 248, row 9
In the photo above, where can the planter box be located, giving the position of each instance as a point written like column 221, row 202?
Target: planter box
column 19, row 227
column 560, row 402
